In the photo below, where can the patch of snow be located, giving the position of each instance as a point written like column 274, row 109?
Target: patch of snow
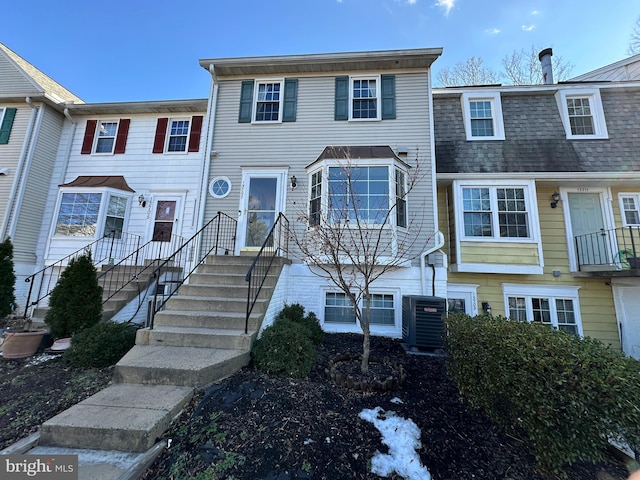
column 38, row 359
column 396, row 400
column 308, row 441
column 402, row 436
column 328, row 440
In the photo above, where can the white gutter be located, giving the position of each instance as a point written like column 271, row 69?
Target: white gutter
column 19, row 170
column 211, row 116
column 439, row 239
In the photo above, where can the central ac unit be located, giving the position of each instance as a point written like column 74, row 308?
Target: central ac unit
column 423, row 321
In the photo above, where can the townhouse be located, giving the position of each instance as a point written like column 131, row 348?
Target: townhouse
column 538, row 197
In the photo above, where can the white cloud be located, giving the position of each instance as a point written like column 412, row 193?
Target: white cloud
column 446, row 4
column 528, row 28
column 411, row 2
column 492, row 31
column 402, row 436
column 534, row 12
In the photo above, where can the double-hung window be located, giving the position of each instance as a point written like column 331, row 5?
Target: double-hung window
column 496, row 211
column 582, row 114
column 630, row 208
column 364, row 98
column 106, row 138
column 268, row 102
column 482, row 112
column 554, row 306
column 178, row 134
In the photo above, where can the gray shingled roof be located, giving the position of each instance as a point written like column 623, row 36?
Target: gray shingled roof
column 535, row 139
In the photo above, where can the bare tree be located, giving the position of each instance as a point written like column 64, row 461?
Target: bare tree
column 469, row 72
column 349, row 242
column 634, row 41
column 520, row 68
column 523, row 67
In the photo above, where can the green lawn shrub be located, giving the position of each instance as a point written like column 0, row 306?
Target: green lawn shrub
column 295, row 313
column 101, row 345
column 568, row 395
column 7, row 279
column 76, row 301
column 284, row 348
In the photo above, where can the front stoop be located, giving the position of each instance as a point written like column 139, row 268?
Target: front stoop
column 123, row 417
column 198, row 339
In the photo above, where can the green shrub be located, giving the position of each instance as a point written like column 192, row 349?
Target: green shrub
column 76, row 300
column 101, row 345
column 284, row 348
column 567, row 394
column 295, row 313
column 7, row 279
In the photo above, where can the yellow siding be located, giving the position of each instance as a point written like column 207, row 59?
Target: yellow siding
column 502, row 253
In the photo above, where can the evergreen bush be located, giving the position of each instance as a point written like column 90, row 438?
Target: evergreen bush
column 101, row 345
column 7, row 279
column 568, row 395
column 295, row 313
column 76, row 300
column 284, row 348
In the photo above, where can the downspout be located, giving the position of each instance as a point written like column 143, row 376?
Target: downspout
column 20, row 172
column 211, row 114
column 439, row 239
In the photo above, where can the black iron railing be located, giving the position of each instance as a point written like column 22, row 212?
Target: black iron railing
column 138, row 264
column 618, row 248
column 276, row 244
column 114, row 245
column 217, row 237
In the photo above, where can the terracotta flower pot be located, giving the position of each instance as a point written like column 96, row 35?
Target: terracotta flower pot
column 21, row 344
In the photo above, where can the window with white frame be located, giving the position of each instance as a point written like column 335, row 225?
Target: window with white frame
column 360, row 194
column 178, row 135
column 338, row 309
column 554, row 306
column 91, row 214
column 482, row 112
column 268, row 106
column 582, row 114
column 106, row 138
column 365, row 102
column 496, row 212
column 629, row 206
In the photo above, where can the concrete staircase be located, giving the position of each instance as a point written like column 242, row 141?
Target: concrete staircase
column 197, row 339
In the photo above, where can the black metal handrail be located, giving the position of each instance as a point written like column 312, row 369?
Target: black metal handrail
column 617, row 247
column 103, row 250
column 217, row 236
column 276, row 244
column 137, row 264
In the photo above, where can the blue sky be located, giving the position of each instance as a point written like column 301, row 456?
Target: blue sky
column 139, row 50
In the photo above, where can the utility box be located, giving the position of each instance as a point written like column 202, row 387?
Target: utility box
column 423, row 321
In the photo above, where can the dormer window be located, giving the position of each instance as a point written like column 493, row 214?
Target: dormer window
column 582, row 114
column 482, row 114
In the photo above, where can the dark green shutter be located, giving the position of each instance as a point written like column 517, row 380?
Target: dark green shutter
column 246, row 101
column 7, row 123
column 290, row 99
column 341, row 111
column 388, row 92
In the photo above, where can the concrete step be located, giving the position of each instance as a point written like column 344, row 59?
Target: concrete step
column 227, row 279
column 124, row 417
column 182, row 366
column 225, row 339
column 187, row 318
column 213, row 304
column 226, row 291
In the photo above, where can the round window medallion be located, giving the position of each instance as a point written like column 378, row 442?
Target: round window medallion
column 220, row 187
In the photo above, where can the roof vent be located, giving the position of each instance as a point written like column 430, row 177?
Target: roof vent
column 547, row 69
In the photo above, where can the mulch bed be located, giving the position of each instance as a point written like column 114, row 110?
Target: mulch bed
column 254, row 426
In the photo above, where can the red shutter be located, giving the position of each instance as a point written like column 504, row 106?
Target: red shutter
column 161, row 133
column 89, row 133
column 194, row 136
column 121, row 136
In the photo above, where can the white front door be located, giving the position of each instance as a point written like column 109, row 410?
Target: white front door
column 589, row 237
column 627, row 301
column 262, row 201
